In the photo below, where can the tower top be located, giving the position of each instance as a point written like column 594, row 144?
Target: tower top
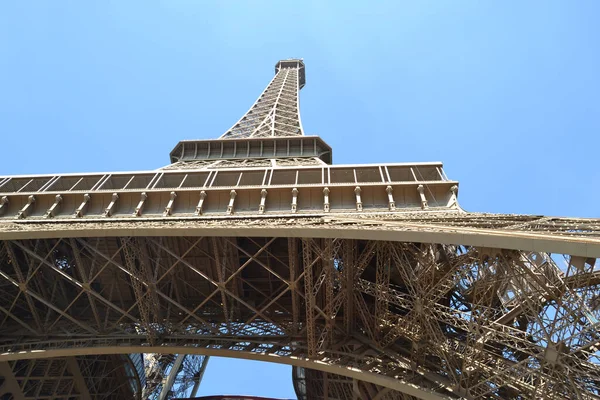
column 293, row 63
column 271, row 129
column 276, row 112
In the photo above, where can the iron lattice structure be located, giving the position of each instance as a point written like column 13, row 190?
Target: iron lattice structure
column 171, row 376
column 277, row 110
column 369, row 279
column 72, row 377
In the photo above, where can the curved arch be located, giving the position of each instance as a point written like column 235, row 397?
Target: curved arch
column 354, row 373
column 316, row 227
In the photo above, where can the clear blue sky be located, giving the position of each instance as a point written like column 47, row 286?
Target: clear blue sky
column 505, row 93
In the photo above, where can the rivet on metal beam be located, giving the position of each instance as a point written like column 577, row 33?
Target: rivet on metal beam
column 109, row 210
column 453, row 201
column 54, row 207
column 232, row 195
column 421, row 191
column 79, row 212
column 3, row 204
column 263, row 199
column 391, row 202
column 27, row 207
column 169, row 207
column 294, row 200
column 200, row 203
column 359, row 205
column 138, row 209
column 326, row 199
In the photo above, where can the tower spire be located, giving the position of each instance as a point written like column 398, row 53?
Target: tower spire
column 276, row 112
column 270, row 133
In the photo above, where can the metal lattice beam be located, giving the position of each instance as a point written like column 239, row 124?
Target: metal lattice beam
column 427, row 314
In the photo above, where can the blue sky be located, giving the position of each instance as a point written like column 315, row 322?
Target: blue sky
column 505, row 93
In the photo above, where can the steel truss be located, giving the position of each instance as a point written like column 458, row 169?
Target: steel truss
column 173, row 375
column 432, row 320
column 73, row 377
column 276, row 112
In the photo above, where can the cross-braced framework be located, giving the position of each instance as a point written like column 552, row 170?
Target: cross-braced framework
column 276, row 112
column 370, row 280
column 171, row 376
column 432, row 320
column 73, row 377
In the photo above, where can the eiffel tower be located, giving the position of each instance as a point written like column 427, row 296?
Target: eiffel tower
column 370, row 280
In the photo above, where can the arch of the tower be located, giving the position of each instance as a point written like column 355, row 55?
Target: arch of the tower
column 354, row 376
column 569, row 236
column 430, row 320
